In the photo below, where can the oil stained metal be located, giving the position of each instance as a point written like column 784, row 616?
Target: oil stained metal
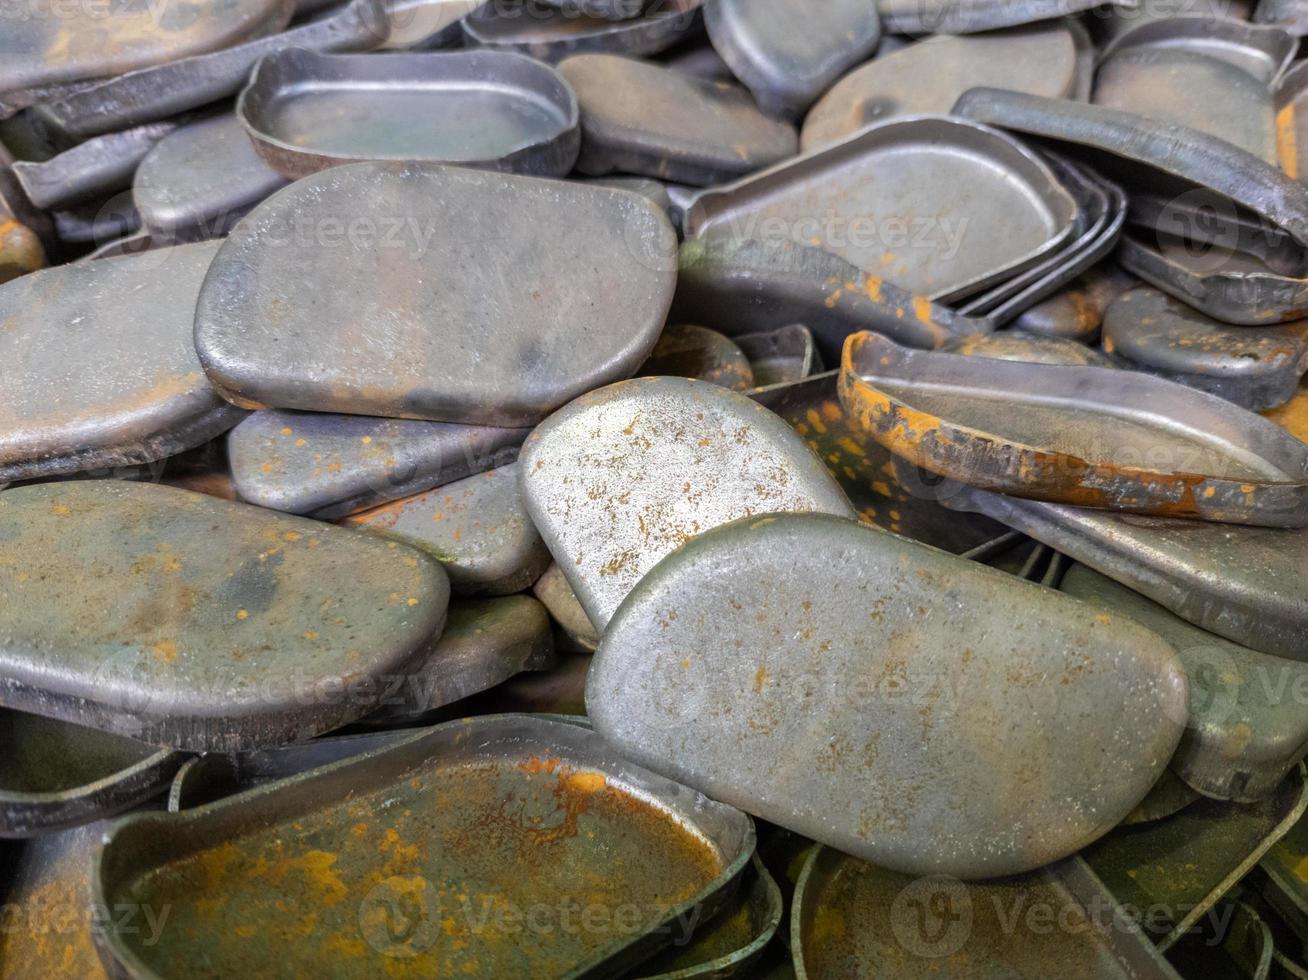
column 416, row 316
column 935, row 205
column 641, row 118
column 929, row 76
column 1256, row 367
column 100, row 366
column 199, row 623
column 685, row 350
column 532, row 28
column 55, row 775
column 853, row 919
column 495, row 110
column 906, row 706
column 1089, row 436
column 476, row 527
column 1246, row 730
column 443, row 825
column 788, row 53
column 198, row 181
column 626, row 474
column 330, row 466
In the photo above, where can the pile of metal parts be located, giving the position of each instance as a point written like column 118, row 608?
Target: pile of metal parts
column 654, row 488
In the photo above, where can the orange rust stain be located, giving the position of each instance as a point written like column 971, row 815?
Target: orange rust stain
column 760, row 679
column 1286, row 141
column 165, row 650
column 922, row 308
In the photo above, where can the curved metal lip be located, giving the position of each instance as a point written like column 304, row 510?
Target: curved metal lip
column 1006, row 152
column 1271, row 43
column 1003, row 463
column 977, row 15
column 112, row 947
column 293, row 68
column 651, row 32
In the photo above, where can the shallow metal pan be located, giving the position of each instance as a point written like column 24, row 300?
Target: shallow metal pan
column 1167, row 151
column 495, row 110
column 851, row 918
column 90, row 171
column 1088, row 436
column 469, row 805
column 1262, row 52
column 781, row 356
column 543, row 32
column 55, row 775
column 1286, row 14
column 982, row 207
column 972, row 16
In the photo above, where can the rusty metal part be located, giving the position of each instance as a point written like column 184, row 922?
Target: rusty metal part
column 21, row 250
column 851, row 918
column 918, row 17
column 1255, row 367
column 329, row 466
column 55, row 775
column 1247, row 728
column 468, row 806
column 198, row 623
column 685, row 350
column 626, row 474
column 930, row 75
column 641, row 118
column 1293, row 415
column 1183, row 865
column 1014, row 345
column 16, row 205
column 101, row 368
column 90, row 171
column 1167, row 151
column 495, row 110
column 553, row 590
column 200, row 180
column 1283, row 883
column 1169, row 795
column 938, row 206
column 1088, row 436
column 412, row 318
column 477, row 528
column 733, row 941
column 748, row 285
column 929, row 742
column 532, row 28
column 165, row 90
column 1286, row 14
column 1247, row 584
column 863, row 469
column 46, row 45
column 1077, row 312
column 781, row 356
column 788, row 53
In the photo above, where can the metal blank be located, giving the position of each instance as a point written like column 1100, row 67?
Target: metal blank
column 198, row 623
column 1077, row 312
column 495, row 110
column 551, row 35
column 642, row 118
column 626, row 474
column 99, row 365
column 920, row 17
column 788, row 53
column 873, row 693
column 416, row 313
column 685, row 350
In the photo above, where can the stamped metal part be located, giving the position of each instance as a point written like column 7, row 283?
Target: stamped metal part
column 937, row 206
column 782, row 355
column 532, row 28
column 477, row 527
column 553, row 590
column 1077, row 312
column 624, row 475
column 1169, row 795
column 90, row 171
column 410, row 317
column 685, row 350
column 1014, row 345
column 199, row 623
column 953, row 754
column 918, row 17
column 330, row 466
column 1255, row 367
column 1246, row 730
column 451, row 815
column 1089, row 436
column 641, row 118
column 305, row 111
column 100, row 368
column 788, row 52
column 199, row 180
column 930, row 75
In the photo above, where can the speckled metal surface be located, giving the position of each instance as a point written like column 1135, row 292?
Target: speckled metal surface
column 407, row 316
column 625, row 474
column 199, row 623
column 478, row 528
column 100, row 368
column 887, row 698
